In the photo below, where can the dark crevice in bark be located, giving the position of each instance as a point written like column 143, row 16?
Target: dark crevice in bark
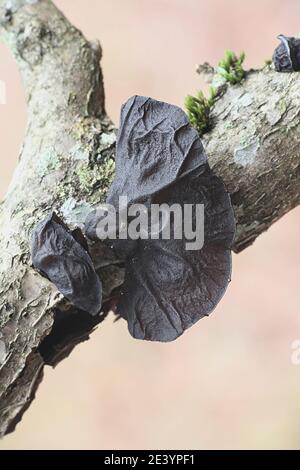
column 70, row 328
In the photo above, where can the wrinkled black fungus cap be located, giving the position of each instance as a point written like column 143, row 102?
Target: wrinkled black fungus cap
column 62, row 256
column 169, row 288
column 155, row 146
column 160, row 159
column 286, row 57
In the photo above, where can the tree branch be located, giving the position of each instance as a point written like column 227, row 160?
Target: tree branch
column 67, row 164
column 254, row 147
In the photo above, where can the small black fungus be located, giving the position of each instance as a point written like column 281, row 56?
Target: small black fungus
column 160, row 159
column 62, row 256
column 286, row 57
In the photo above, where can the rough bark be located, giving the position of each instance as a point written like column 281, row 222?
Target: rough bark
column 254, row 147
column 67, row 164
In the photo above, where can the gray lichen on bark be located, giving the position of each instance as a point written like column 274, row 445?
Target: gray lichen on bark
column 67, row 164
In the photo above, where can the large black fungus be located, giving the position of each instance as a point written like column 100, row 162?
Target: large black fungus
column 286, row 57
column 160, row 160
column 62, row 256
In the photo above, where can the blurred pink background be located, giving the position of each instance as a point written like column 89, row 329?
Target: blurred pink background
column 229, row 382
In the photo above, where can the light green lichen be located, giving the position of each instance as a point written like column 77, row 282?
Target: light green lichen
column 64, row 191
column 108, row 139
column 282, row 105
column 75, row 212
column 47, row 163
column 246, row 154
column 229, row 125
column 95, row 180
column 247, row 135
